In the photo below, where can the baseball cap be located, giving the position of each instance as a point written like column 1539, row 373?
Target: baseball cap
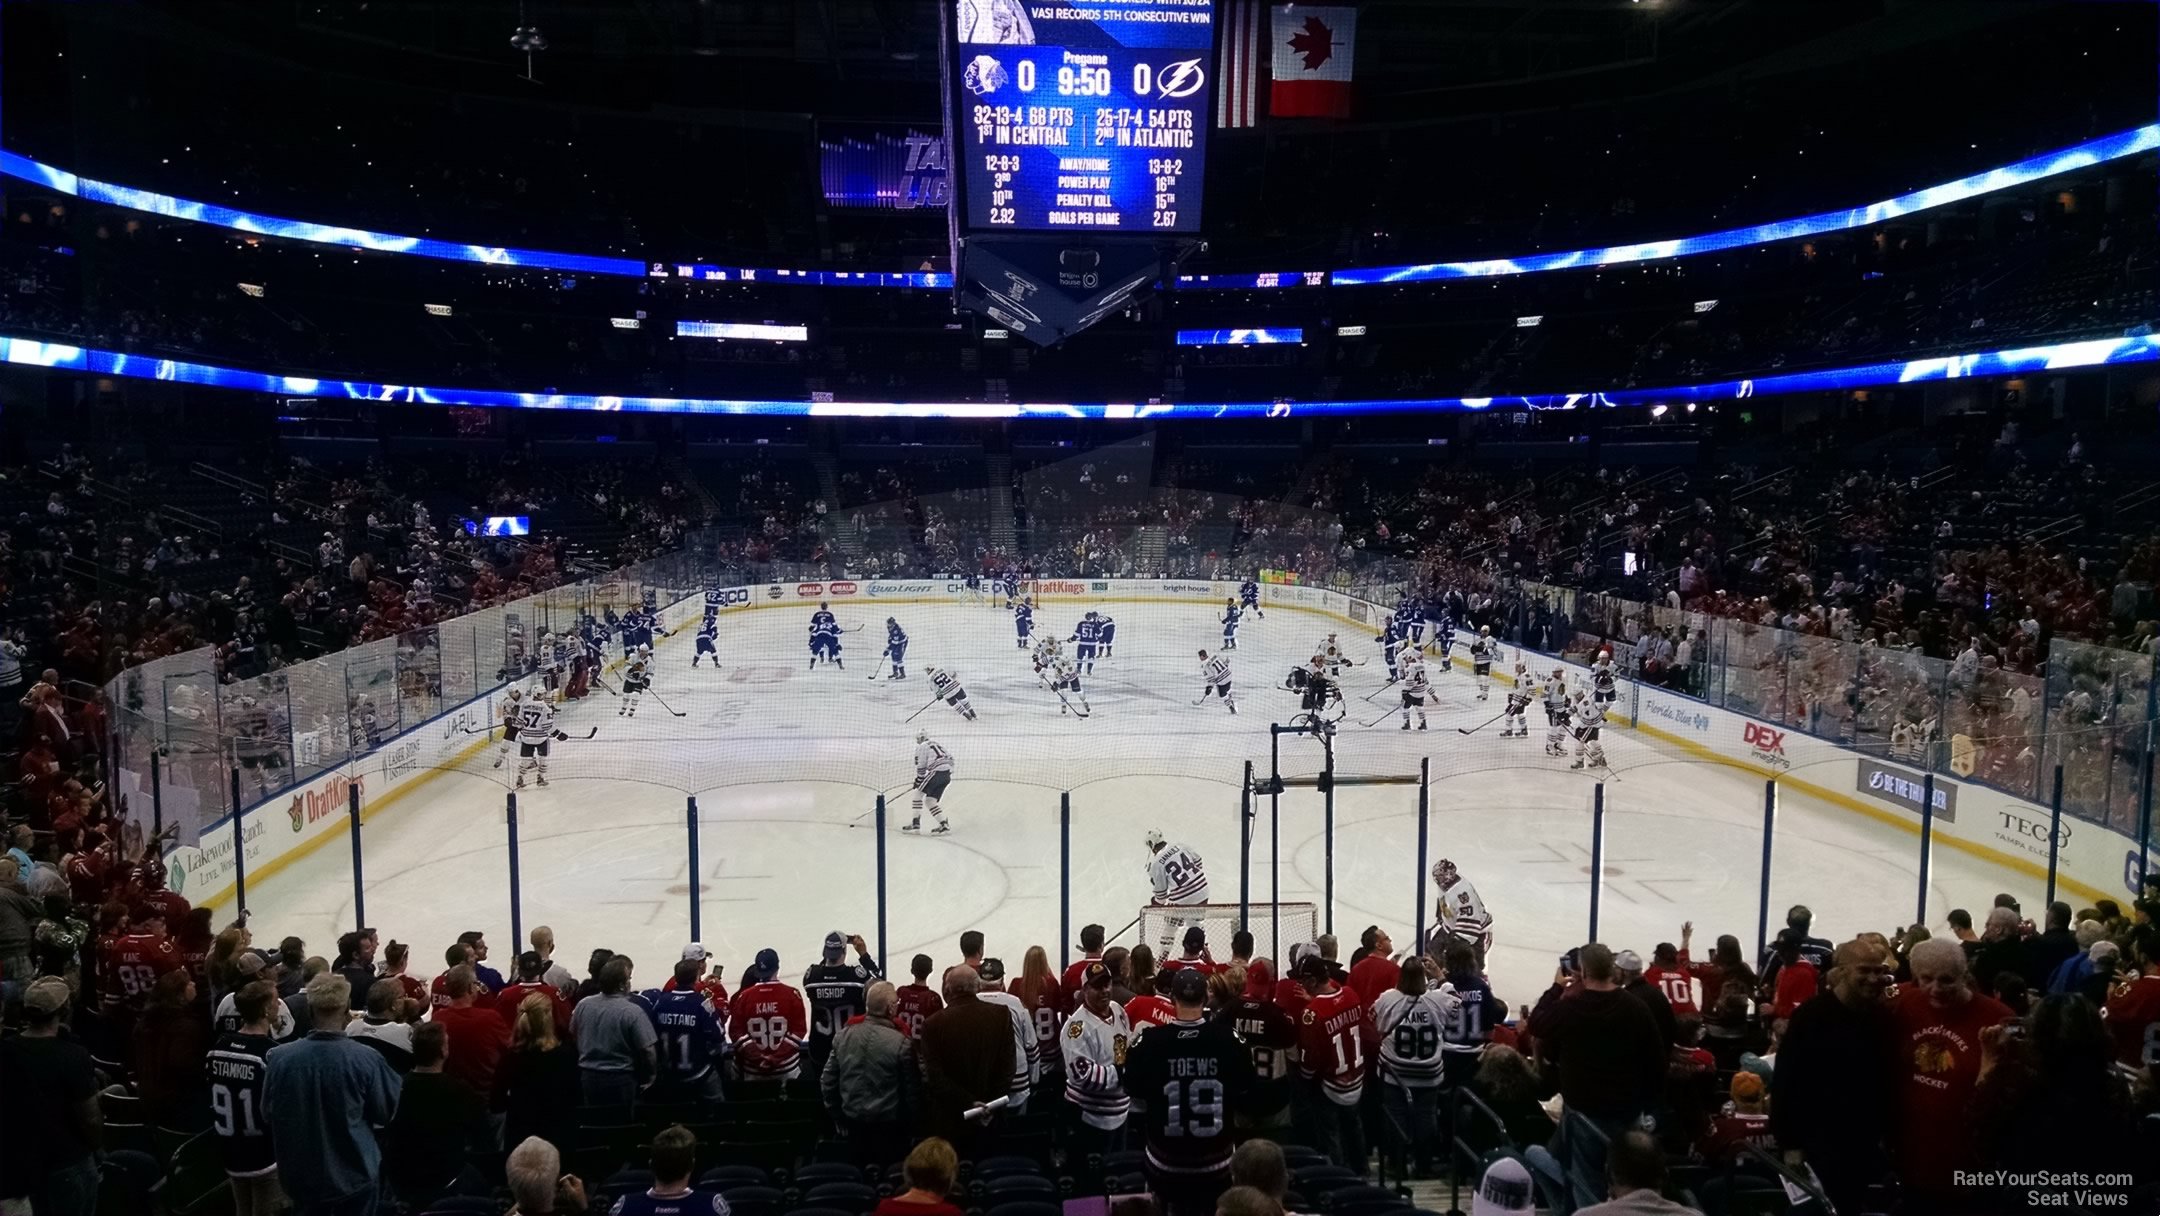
column 1628, row 960
column 1310, row 968
column 768, row 962
column 694, row 953
column 1095, row 976
column 46, row 995
column 1259, row 979
column 1505, row 1189
column 1188, row 986
column 992, row 970
column 1195, row 937
column 835, row 946
column 250, row 964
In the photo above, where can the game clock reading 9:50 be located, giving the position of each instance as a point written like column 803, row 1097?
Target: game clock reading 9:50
column 1083, row 81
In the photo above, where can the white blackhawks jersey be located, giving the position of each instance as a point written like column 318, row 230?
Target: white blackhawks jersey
column 509, row 712
column 1094, row 1051
column 1462, row 913
column 1416, row 680
column 946, row 683
column 535, row 721
column 1215, row 671
column 1178, row 876
column 640, row 666
column 1410, row 1033
column 1556, row 696
column 1484, row 649
column 930, row 758
column 1589, row 715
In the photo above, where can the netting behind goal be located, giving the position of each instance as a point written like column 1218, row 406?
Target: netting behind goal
column 1285, row 923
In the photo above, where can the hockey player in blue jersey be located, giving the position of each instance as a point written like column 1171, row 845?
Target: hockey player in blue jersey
column 1024, row 621
column 1109, row 634
column 708, row 641
column 1086, row 637
column 638, row 627
column 1392, row 639
column 1248, row 594
column 1410, row 618
column 1444, row 635
column 896, row 648
column 825, row 636
column 1229, row 624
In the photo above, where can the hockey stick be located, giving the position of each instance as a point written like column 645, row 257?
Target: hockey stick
column 664, row 705
column 1392, row 682
column 918, row 713
column 1471, row 730
column 1122, row 932
column 1377, row 721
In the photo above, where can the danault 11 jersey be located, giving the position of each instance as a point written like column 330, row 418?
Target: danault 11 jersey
column 1334, row 1035
column 1189, row 1076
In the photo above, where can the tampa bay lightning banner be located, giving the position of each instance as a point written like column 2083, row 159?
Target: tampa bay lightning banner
column 2058, row 357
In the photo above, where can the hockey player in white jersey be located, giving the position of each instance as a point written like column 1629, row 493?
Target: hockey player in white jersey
column 1482, row 653
column 1416, row 687
column 509, row 716
column 637, row 678
column 535, row 731
column 1059, row 675
column 946, row 684
column 1332, row 656
column 1516, row 718
column 1604, row 679
column 1179, row 879
column 1557, row 711
column 1215, row 679
column 1461, row 914
column 933, row 772
column 1589, row 717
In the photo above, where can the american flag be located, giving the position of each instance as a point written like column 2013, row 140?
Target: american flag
column 1241, row 62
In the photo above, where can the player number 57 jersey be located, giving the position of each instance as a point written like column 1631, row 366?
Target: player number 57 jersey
column 535, row 722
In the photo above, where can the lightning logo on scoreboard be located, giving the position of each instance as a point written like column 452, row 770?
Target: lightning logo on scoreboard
column 1181, row 79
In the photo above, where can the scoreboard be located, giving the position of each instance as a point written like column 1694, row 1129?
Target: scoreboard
column 1082, row 115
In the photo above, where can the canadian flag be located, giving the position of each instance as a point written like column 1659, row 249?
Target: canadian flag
column 1312, row 61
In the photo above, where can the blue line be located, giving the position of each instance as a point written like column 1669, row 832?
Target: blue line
column 2060, row 356
column 2032, row 169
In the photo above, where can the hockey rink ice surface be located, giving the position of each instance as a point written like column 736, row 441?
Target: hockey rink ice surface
column 785, row 764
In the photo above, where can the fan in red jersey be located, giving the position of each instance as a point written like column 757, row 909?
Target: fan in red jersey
column 1335, row 1039
column 137, row 960
column 708, row 981
column 768, row 1023
column 1195, row 957
column 1147, row 1008
column 914, row 1003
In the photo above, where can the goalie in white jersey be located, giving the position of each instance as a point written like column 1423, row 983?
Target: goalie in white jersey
column 933, row 772
column 1215, row 679
column 1416, row 687
column 1461, row 914
column 1179, row 879
column 535, row 731
column 509, row 716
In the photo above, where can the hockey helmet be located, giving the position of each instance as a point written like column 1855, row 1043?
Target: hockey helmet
column 645, row 648
column 922, row 736
column 517, row 694
column 1443, row 871
column 822, row 605
column 1484, row 631
column 891, row 621
column 1154, row 840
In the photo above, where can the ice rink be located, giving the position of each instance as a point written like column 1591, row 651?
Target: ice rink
column 785, row 765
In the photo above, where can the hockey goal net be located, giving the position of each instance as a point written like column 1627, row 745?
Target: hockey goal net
column 1287, row 923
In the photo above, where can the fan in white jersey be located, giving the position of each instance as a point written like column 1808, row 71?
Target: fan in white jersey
column 1215, row 678
column 1179, row 879
column 535, row 731
column 508, row 713
column 1589, row 717
column 1517, row 714
column 946, row 684
column 1461, row 913
column 637, row 677
column 1410, row 1019
column 933, row 772
column 1416, row 688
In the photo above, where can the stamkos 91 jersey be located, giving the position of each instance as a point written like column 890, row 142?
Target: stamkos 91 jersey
column 535, row 721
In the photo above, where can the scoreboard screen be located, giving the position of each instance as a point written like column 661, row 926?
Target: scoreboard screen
column 1082, row 115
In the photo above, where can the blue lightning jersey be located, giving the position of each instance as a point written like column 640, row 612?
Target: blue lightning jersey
column 895, row 638
column 1249, row 591
column 1024, row 619
column 1087, row 633
column 691, row 1036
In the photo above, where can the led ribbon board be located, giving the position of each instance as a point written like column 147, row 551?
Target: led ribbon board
column 1238, row 337
column 1082, row 117
column 2057, row 357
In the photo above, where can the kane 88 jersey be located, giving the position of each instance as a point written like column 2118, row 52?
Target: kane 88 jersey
column 768, row 1026
column 1411, row 1033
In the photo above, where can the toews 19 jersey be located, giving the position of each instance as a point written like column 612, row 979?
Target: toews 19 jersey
column 1189, row 1076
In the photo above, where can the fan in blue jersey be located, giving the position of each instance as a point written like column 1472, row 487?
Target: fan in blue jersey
column 692, row 1037
column 896, row 648
column 674, row 1162
column 835, row 988
column 1024, row 621
column 708, row 642
column 1248, row 594
column 1109, row 633
column 1086, row 637
column 1229, row 624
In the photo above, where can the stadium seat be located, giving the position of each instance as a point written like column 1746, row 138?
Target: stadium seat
column 724, row 1177
column 124, row 1122
column 1027, row 1208
column 1126, row 1184
column 1297, row 1156
column 822, row 1212
column 464, row 1205
column 1124, row 1161
column 195, row 1179
column 817, row 1173
column 857, row 1197
column 755, row 1201
column 1017, row 1186
column 627, row 1182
